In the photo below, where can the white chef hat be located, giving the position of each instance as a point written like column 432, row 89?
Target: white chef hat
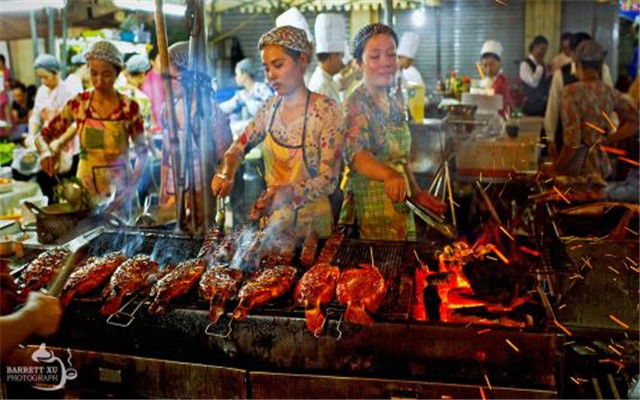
column 492, row 47
column 409, row 45
column 293, row 17
column 330, row 33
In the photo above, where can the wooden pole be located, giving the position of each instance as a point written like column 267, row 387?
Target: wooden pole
column 174, row 141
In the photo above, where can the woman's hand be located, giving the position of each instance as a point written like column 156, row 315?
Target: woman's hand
column 221, row 185
column 395, row 187
column 424, row 199
column 48, row 164
column 271, row 200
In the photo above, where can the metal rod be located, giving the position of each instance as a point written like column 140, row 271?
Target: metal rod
column 34, row 38
column 492, row 209
column 63, row 56
column 51, row 38
column 596, row 388
column 174, row 141
column 435, row 178
column 448, row 182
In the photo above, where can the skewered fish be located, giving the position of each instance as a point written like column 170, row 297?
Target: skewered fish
column 309, row 249
column 361, row 289
column 176, row 283
column 41, row 270
column 211, row 241
column 315, row 289
column 263, row 286
column 90, row 275
column 330, row 248
column 217, row 285
column 131, row 276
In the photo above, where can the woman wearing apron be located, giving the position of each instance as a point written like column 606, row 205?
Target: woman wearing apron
column 302, row 134
column 377, row 144
column 106, row 121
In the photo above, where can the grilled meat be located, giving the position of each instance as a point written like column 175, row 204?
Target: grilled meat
column 90, row 275
column 263, row 286
column 212, row 240
column 309, row 249
column 131, row 276
column 361, row 289
column 176, row 283
column 330, row 248
column 597, row 209
column 218, row 285
column 278, row 250
column 41, row 270
column 315, row 289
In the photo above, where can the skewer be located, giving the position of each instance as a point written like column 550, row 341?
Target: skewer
column 512, row 345
column 613, row 150
column 486, row 378
column 562, row 327
column 629, row 161
column 618, row 321
column 372, row 260
column 448, row 182
column 595, row 127
column 613, row 127
column 420, row 261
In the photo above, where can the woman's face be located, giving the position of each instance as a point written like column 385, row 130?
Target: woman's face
column 176, row 86
column 379, row 61
column 241, row 77
column 48, row 78
column 284, row 74
column 103, row 75
column 490, row 66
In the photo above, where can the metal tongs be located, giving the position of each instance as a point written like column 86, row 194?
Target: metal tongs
column 430, row 218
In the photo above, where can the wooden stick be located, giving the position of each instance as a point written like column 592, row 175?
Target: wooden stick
column 448, row 182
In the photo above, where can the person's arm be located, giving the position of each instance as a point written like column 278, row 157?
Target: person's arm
column 40, row 315
column 229, row 106
column 55, row 129
column 552, row 111
column 606, row 76
column 531, row 78
column 254, row 134
column 34, row 120
column 571, row 130
column 629, row 119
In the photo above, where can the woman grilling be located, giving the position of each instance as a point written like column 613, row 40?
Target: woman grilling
column 377, row 146
column 107, row 121
column 302, row 135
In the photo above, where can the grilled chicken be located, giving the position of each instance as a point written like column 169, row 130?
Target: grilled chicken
column 361, row 289
column 176, row 283
column 211, row 241
column 218, row 285
column 131, row 276
column 330, row 248
column 263, row 286
column 41, row 270
column 309, row 248
column 90, row 275
column 315, row 289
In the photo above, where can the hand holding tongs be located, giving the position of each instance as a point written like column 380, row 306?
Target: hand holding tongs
column 220, row 213
column 430, row 218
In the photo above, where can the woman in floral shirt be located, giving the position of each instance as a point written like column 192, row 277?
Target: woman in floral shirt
column 583, row 109
column 377, row 146
column 302, row 134
column 106, row 121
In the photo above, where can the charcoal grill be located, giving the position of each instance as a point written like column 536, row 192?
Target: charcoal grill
column 274, row 339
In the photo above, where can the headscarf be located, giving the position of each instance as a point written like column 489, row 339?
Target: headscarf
column 245, row 66
column 590, row 51
column 137, row 64
column 78, row 59
column 367, row 33
column 105, row 51
column 179, row 54
column 48, row 62
column 287, row 36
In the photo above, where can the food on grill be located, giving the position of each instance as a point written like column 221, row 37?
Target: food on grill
column 90, row 275
column 361, row 289
column 217, row 285
column 278, row 250
column 41, row 270
column 263, row 286
column 175, row 283
column 211, row 241
column 131, row 276
column 315, row 289
column 309, row 248
column 597, row 209
column 330, row 248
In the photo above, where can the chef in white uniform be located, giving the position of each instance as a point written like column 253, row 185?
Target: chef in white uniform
column 406, row 55
column 330, row 32
column 293, row 17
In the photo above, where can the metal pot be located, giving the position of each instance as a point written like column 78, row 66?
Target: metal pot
column 56, row 220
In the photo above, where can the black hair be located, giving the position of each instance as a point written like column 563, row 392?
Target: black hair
column 537, row 41
column 322, row 57
column 566, row 36
column 4, row 60
column 366, row 33
column 578, row 38
column 18, row 85
column 487, row 55
column 153, row 53
column 595, row 65
column 292, row 53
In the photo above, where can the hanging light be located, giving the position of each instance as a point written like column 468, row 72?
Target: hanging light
column 418, row 17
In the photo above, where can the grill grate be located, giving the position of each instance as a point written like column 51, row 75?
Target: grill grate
column 388, row 258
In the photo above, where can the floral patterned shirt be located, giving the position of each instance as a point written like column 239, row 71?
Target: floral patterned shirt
column 367, row 124
column 323, row 143
column 582, row 103
column 79, row 109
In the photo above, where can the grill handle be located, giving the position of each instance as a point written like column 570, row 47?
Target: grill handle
column 436, row 222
